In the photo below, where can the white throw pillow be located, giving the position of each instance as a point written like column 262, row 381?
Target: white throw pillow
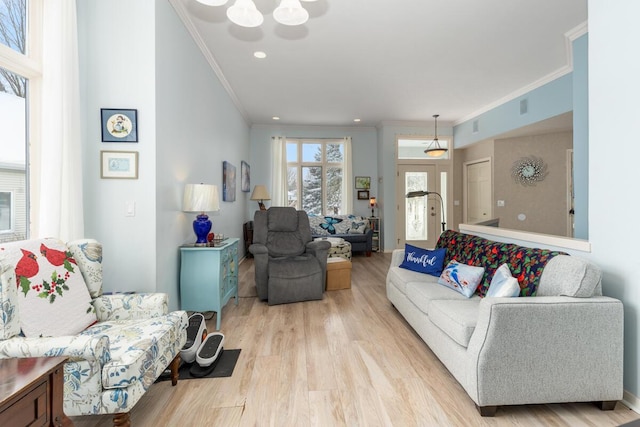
column 503, row 284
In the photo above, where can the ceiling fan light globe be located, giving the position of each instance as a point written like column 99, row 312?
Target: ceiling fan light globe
column 212, row 2
column 290, row 12
column 245, row 14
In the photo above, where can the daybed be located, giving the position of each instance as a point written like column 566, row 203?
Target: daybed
column 354, row 229
column 51, row 304
column 559, row 341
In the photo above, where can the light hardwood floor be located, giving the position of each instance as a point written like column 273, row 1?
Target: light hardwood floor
column 347, row 360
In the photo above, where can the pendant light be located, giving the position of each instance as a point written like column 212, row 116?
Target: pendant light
column 245, row 14
column 212, row 2
column 434, row 149
column 290, row 12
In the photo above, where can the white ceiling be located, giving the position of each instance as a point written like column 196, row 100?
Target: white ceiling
column 381, row 60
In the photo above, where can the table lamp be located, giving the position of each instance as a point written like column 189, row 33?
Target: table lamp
column 372, row 203
column 260, row 194
column 201, row 198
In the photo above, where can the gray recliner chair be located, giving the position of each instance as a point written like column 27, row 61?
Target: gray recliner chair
column 289, row 265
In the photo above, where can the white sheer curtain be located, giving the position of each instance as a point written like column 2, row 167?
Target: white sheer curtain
column 57, row 205
column 347, row 179
column 279, row 187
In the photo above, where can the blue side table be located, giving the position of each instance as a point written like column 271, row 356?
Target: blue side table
column 209, row 277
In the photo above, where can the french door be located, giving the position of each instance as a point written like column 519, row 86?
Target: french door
column 419, row 218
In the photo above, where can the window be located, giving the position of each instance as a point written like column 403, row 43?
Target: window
column 314, row 176
column 19, row 66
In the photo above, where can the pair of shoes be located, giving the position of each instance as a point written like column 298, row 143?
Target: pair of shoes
column 196, row 333
column 208, row 355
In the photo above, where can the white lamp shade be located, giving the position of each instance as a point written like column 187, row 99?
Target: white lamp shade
column 245, row 14
column 260, row 193
column 200, row 198
column 290, row 12
column 214, row 2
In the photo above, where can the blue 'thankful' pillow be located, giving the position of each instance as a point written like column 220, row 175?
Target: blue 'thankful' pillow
column 423, row 260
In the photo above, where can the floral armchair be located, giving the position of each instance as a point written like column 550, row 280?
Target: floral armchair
column 52, row 304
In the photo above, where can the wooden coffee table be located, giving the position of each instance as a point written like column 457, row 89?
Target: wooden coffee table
column 31, row 392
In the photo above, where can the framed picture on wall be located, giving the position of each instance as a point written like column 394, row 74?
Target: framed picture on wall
column 363, row 182
column 245, row 178
column 228, row 182
column 119, row 125
column 363, row 194
column 119, row 164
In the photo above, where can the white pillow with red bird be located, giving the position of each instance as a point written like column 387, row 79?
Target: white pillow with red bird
column 52, row 296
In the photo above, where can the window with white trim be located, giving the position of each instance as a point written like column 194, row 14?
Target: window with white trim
column 20, row 65
column 314, row 175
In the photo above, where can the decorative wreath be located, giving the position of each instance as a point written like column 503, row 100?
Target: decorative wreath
column 529, row 170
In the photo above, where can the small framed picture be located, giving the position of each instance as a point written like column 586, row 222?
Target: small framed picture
column 119, row 164
column 119, row 125
column 363, row 182
column 363, row 194
column 245, row 172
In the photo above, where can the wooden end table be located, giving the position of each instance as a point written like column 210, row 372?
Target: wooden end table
column 31, row 392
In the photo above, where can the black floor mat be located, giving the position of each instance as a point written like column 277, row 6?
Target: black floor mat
column 224, row 367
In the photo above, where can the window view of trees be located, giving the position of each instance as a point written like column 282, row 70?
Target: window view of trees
column 318, row 166
column 13, row 119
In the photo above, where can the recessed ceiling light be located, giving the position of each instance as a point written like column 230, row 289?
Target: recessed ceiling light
column 275, row 118
column 356, row 120
column 259, row 54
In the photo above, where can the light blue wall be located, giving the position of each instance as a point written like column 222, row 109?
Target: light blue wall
column 146, row 60
column 198, row 127
column 363, row 151
column 613, row 161
column 567, row 93
column 549, row 100
column 581, row 136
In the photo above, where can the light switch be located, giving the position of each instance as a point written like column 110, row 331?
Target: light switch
column 456, row 203
column 130, row 209
column 501, row 203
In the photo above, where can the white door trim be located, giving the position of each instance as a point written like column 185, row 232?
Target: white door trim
column 465, row 191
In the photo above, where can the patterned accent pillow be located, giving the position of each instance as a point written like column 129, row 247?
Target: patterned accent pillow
column 53, row 298
column 526, row 264
column 423, row 260
column 358, row 227
column 503, row 284
column 330, row 224
column 461, row 277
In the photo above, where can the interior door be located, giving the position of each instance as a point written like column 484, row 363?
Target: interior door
column 478, row 192
column 419, row 217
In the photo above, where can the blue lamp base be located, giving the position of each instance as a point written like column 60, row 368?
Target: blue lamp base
column 201, row 226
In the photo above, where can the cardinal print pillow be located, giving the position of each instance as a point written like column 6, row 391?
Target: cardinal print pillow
column 53, row 299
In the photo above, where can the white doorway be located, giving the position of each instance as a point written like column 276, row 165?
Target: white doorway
column 477, row 192
column 419, row 218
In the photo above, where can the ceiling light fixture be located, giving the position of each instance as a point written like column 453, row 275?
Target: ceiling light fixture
column 246, row 14
column 434, row 149
column 290, row 12
column 213, row 2
column 259, row 54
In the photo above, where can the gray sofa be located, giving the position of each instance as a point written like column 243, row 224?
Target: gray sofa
column 563, row 345
column 354, row 229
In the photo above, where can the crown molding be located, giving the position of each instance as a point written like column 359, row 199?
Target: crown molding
column 570, row 36
column 180, row 9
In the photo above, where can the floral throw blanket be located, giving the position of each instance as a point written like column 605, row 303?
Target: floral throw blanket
column 526, row 264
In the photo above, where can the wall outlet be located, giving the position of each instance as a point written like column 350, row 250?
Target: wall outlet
column 456, row 203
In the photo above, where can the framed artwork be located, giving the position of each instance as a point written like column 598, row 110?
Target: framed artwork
column 119, row 125
column 119, row 164
column 363, row 194
column 245, row 176
column 363, row 182
column 228, row 182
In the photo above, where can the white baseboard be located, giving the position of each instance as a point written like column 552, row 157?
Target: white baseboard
column 630, row 401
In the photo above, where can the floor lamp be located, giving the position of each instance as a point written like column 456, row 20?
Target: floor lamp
column 412, row 194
